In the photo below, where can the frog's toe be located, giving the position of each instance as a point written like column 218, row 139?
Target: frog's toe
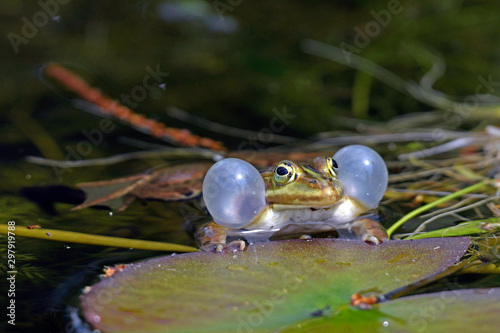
column 372, row 240
column 237, row 245
column 369, row 231
column 212, row 247
column 234, row 246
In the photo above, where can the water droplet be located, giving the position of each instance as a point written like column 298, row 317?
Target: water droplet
column 385, row 323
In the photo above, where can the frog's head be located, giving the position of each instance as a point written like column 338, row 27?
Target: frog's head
column 295, row 186
column 235, row 192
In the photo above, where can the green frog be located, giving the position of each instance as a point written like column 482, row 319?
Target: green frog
column 244, row 202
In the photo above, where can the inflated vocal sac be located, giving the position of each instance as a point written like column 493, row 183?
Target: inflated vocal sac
column 234, row 192
column 362, row 173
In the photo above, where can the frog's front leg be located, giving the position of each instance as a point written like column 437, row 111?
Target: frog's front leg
column 212, row 237
column 369, row 231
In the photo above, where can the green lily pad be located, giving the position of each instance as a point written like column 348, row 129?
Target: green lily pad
column 446, row 311
column 266, row 287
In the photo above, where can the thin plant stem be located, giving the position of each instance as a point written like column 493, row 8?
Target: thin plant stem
column 88, row 239
column 424, row 208
column 223, row 129
column 158, row 153
column 447, row 209
column 449, row 212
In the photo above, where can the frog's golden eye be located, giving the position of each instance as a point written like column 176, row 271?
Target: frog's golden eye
column 284, row 172
column 332, row 166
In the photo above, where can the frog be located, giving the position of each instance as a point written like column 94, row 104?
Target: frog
column 243, row 200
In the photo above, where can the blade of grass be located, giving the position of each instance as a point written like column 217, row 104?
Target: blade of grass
column 88, row 239
column 424, row 208
column 361, row 95
column 35, row 132
column 462, row 229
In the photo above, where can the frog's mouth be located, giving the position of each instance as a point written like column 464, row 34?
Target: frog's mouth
column 309, row 204
column 290, row 231
column 277, row 216
column 322, row 197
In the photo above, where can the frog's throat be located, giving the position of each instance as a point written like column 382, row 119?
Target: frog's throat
column 277, row 216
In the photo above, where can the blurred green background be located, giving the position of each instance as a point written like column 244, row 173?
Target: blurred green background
column 235, row 63
column 232, row 62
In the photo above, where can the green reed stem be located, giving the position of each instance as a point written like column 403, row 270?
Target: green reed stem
column 424, row 208
column 82, row 238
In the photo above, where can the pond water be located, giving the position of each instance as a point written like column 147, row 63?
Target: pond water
column 241, row 64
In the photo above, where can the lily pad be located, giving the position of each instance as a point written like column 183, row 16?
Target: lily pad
column 446, row 311
column 267, row 287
